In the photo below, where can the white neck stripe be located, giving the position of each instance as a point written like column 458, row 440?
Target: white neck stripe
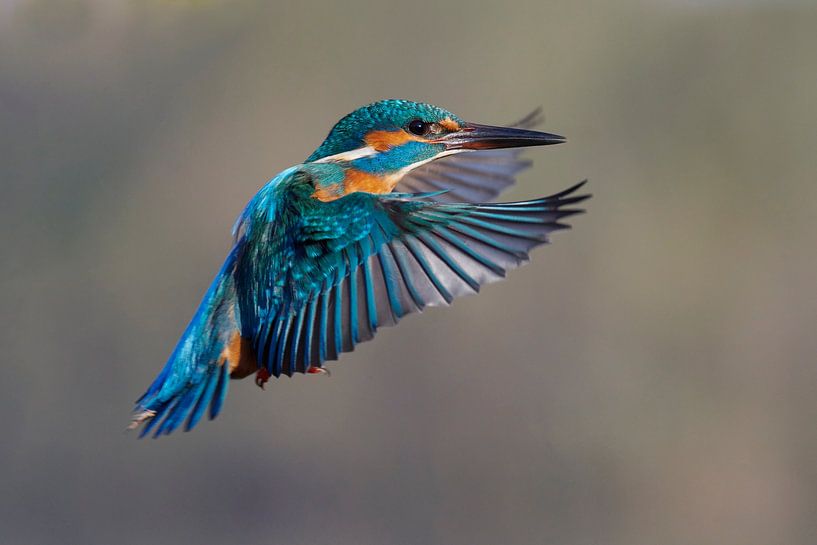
column 351, row 155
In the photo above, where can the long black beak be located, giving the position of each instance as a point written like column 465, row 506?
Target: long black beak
column 473, row 136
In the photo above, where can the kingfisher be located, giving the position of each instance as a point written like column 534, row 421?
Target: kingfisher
column 391, row 214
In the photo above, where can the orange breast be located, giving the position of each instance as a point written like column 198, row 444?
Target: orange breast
column 239, row 356
column 357, row 180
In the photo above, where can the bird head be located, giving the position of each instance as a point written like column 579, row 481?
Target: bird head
column 379, row 143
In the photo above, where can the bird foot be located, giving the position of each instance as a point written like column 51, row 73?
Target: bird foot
column 262, row 377
column 312, row 370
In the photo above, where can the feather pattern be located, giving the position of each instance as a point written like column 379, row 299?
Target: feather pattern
column 195, row 375
column 408, row 253
column 317, row 267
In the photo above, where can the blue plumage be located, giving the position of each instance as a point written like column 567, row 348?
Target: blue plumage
column 326, row 253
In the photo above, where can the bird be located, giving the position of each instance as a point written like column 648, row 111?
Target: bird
column 393, row 213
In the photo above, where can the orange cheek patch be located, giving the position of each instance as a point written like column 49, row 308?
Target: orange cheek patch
column 384, row 140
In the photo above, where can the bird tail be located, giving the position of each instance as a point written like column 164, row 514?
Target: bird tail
column 197, row 373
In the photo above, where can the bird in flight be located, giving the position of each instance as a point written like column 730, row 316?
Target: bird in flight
column 391, row 214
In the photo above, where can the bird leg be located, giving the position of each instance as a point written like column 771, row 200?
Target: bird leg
column 312, row 370
column 261, row 377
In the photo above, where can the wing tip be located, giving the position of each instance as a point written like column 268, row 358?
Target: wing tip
column 532, row 119
column 570, row 190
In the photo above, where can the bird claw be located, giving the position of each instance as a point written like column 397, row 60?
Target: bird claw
column 262, row 377
column 312, row 370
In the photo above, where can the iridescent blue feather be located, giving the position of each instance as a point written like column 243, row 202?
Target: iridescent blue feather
column 309, row 278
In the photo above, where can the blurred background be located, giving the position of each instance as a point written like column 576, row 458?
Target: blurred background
column 648, row 379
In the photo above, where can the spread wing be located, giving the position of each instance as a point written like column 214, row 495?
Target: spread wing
column 413, row 253
column 471, row 176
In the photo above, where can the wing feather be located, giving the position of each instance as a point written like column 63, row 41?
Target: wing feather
column 417, row 254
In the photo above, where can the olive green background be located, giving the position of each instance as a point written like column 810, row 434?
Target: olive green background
column 648, row 379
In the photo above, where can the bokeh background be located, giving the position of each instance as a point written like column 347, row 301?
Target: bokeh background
column 648, row 379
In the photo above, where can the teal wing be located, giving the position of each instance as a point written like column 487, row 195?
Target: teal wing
column 195, row 377
column 473, row 176
column 401, row 254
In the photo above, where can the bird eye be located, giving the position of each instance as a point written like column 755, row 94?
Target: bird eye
column 418, row 127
